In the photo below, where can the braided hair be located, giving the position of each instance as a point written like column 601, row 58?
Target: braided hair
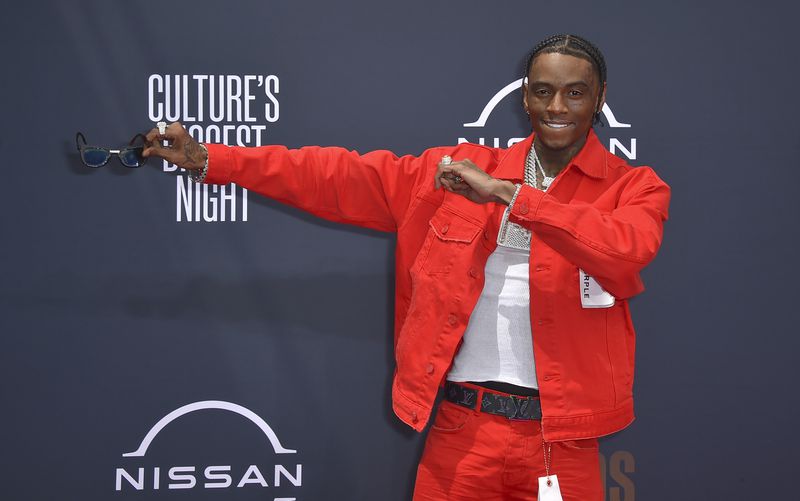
column 576, row 46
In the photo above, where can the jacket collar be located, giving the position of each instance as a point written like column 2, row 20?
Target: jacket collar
column 591, row 160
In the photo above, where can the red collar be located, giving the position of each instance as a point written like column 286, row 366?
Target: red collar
column 591, row 160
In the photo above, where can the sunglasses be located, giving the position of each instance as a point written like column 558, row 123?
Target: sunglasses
column 94, row 156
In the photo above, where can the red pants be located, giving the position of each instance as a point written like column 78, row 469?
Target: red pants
column 474, row 455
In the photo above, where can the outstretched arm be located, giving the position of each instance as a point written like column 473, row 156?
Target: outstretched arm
column 373, row 190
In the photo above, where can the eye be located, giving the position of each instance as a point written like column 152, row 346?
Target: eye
column 542, row 92
column 575, row 93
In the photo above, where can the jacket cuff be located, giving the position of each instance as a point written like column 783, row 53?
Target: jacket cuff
column 220, row 164
column 526, row 205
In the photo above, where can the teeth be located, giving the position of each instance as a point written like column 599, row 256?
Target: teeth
column 555, row 126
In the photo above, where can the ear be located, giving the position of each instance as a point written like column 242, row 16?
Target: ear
column 525, row 95
column 601, row 100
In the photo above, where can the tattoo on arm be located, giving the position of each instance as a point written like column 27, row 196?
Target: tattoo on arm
column 194, row 154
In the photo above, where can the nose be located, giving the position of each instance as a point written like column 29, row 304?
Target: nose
column 557, row 105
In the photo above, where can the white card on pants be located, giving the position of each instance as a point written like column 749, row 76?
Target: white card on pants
column 592, row 295
column 549, row 492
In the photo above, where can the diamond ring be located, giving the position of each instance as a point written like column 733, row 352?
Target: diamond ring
column 446, row 160
column 162, row 127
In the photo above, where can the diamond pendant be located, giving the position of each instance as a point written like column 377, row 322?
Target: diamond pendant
column 546, row 181
column 512, row 235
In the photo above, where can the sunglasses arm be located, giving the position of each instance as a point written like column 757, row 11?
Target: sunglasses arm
column 137, row 136
column 78, row 139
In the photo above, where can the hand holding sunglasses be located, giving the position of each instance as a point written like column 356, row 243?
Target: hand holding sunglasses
column 182, row 150
column 95, row 156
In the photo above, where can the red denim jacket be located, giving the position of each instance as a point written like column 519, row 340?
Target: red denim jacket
column 599, row 215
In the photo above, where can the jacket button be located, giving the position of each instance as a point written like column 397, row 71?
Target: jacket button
column 452, row 319
column 445, row 228
column 486, row 235
column 540, row 322
column 414, row 417
column 473, row 272
column 540, row 267
column 523, row 208
column 429, row 369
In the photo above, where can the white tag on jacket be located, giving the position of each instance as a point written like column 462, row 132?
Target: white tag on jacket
column 549, row 492
column 592, row 295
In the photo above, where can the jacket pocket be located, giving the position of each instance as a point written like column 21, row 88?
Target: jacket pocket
column 448, row 238
column 583, row 445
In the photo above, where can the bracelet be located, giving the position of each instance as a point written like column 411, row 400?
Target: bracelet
column 514, row 198
column 199, row 175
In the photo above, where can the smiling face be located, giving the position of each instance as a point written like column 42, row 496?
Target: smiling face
column 562, row 95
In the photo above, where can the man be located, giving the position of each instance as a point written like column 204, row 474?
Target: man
column 513, row 270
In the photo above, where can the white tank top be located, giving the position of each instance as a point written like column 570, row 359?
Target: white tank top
column 498, row 344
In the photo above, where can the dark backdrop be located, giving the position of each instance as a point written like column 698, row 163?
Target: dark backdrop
column 118, row 308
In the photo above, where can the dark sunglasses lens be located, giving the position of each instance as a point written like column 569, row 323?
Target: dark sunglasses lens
column 94, row 157
column 132, row 157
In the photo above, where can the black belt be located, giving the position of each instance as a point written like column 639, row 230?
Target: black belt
column 509, row 406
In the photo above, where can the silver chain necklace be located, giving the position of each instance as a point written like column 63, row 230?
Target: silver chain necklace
column 511, row 234
column 531, row 160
